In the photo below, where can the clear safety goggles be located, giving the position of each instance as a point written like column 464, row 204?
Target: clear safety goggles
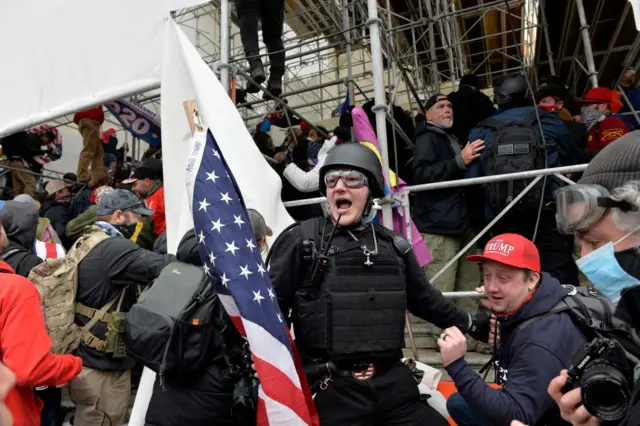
column 351, row 178
column 578, row 207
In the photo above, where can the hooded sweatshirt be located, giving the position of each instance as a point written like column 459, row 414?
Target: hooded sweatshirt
column 20, row 222
column 26, row 349
column 527, row 360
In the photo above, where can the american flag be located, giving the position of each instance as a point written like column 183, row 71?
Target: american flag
column 231, row 255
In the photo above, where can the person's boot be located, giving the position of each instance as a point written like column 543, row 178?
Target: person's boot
column 257, row 74
column 274, row 87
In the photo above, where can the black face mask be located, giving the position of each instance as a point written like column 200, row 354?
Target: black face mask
column 127, row 231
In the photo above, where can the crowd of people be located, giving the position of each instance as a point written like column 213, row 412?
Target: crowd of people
column 77, row 256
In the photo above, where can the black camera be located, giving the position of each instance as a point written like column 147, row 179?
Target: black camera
column 604, row 374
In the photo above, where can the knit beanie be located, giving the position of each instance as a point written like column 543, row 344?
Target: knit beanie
column 617, row 164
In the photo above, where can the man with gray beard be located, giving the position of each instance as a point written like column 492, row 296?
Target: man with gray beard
column 442, row 216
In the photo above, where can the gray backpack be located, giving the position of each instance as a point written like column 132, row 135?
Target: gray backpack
column 176, row 322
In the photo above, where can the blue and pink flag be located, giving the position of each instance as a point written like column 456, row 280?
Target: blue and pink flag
column 366, row 136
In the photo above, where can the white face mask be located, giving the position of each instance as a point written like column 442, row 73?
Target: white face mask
column 603, row 270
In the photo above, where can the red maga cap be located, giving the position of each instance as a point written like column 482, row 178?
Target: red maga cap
column 512, row 250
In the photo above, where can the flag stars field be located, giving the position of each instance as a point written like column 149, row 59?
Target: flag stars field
column 232, row 248
column 217, row 225
column 238, row 220
column 204, row 205
column 246, row 272
column 257, row 297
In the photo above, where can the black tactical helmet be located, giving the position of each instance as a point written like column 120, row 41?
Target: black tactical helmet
column 357, row 157
column 512, row 89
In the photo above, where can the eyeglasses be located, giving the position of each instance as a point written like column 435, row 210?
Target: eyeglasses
column 351, row 178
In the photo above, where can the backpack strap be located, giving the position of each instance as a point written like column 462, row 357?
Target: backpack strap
column 560, row 307
column 99, row 315
column 7, row 254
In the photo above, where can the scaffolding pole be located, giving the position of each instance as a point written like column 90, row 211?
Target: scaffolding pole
column 586, row 41
column 224, row 44
column 380, row 107
column 435, row 77
column 547, row 39
column 347, row 42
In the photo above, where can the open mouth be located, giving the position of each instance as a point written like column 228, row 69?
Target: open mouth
column 342, row 205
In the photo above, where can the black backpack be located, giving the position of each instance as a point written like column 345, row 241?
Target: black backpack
column 177, row 322
column 515, row 147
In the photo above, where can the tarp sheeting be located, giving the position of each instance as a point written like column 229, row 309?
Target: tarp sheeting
column 60, row 56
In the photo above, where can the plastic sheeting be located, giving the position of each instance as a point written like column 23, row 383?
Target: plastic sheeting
column 60, row 56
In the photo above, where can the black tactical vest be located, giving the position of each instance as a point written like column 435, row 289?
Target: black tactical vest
column 357, row 309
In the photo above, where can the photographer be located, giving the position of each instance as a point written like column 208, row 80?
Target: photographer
column 603, row 212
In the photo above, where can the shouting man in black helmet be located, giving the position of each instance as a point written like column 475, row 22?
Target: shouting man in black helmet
column 348, row 283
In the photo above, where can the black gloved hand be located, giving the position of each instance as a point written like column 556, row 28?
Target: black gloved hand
column 480, row 326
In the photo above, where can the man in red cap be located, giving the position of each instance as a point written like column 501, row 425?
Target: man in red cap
column 531, row 350
column 603, row 128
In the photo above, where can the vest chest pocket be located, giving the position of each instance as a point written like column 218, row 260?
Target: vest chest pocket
column 367, row 322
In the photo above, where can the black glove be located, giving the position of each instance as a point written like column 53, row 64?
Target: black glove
column 480, row 326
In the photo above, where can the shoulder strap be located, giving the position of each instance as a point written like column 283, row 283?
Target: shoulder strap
column 101, row 313
column 8, row 254
column 560, row 307
column 310, row 229
column 533, row 117
column 496, row 125
column 402, row 246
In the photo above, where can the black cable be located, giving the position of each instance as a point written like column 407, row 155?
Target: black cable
column 535, row 108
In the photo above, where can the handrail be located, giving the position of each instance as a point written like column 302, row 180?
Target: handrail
column 464, row 182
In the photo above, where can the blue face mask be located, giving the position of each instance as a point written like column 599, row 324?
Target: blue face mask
column 603, row 270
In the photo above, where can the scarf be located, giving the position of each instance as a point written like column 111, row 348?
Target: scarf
column 591, row 117
column 109, row 229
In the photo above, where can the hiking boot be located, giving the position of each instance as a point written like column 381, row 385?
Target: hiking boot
column 274, row 87
column 258, row 75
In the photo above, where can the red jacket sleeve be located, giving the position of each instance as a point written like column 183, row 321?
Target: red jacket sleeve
column 610, row 130
column 26, row 347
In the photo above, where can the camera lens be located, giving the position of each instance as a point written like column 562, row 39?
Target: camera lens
column 605, row 391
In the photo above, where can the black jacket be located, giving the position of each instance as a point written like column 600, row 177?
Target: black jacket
column 438, row 158
column 112, row 265
column 205, row 398
column 470, row 106
column 20, row 222
column 288, row 268
column 58, row 215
